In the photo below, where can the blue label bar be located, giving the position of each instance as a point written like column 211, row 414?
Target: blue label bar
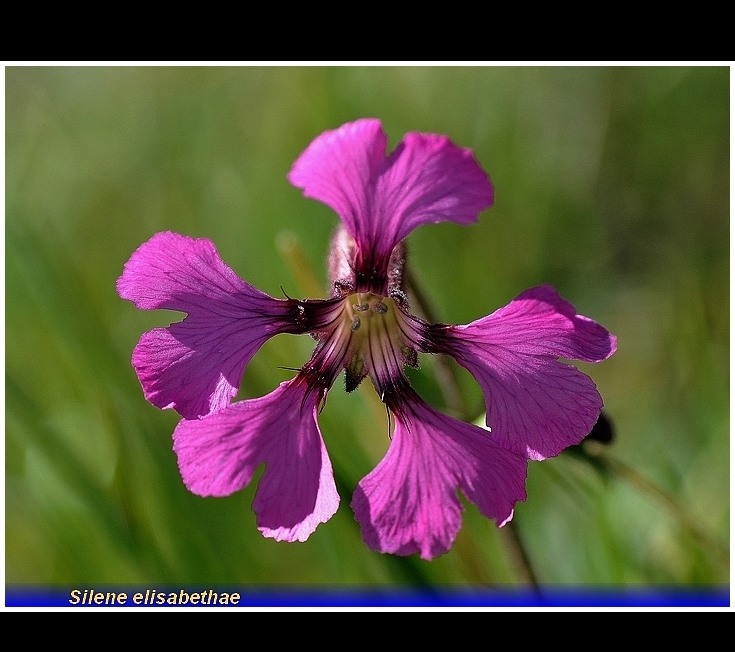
column 248, row 596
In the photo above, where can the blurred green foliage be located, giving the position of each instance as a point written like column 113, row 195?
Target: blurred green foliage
column 612, row 183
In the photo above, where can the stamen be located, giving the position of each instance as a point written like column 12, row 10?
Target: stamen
column 368, row 337
column 323, row 402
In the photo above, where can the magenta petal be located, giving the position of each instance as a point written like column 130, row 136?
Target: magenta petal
column 427, row 179
column 219, row 453
column 189, row 367
column 547, row 325
column 535, row 404
column 339, row 168
column 195, row 366
column 409, row 504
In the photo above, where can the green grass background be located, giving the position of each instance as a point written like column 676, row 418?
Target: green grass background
column 612, row 184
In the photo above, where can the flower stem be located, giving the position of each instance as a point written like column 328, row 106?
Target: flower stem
column 519, row 555
column 446, row 370
column 453, row 396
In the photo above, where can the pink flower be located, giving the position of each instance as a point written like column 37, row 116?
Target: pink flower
column 536, row 405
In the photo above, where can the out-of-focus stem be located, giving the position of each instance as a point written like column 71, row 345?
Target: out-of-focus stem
column 646, row 486
column 290, row 249
column 519, row 555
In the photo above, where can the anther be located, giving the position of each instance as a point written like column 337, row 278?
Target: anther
column 355, row 323
column 381, row 308
column 361, row 307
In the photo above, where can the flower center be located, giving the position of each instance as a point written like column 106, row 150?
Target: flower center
column 379, row 340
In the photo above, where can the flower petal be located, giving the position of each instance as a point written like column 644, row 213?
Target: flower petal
column 535, row 404
column 219, row 453
column 427, row 179
column 409, row 504
column 339, row 168
column 195, row 366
